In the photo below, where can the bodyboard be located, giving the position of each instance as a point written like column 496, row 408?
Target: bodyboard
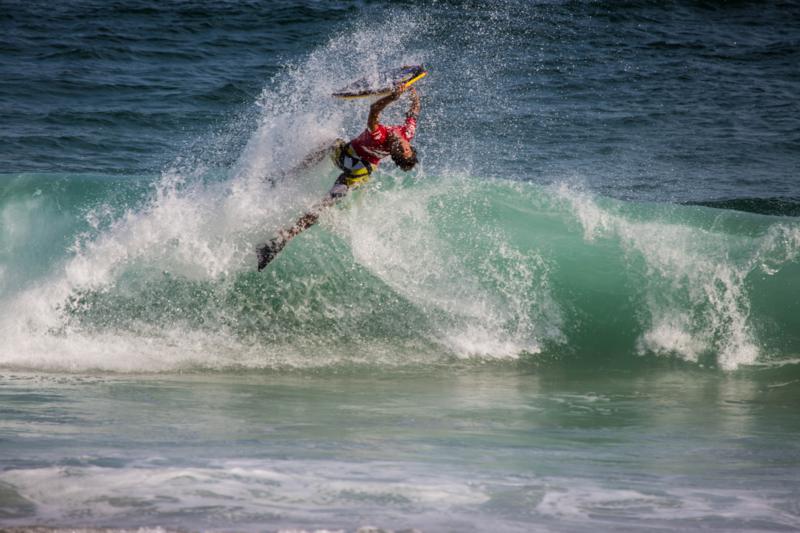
column 383, row 83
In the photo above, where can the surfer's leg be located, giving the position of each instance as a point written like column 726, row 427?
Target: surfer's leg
column 337, row 192
column 318, row 154
column 267, row 252
column 314, row 157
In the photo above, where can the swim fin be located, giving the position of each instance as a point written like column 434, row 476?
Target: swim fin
column 267, row 252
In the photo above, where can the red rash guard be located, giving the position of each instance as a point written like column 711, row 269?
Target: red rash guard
column 372, row 146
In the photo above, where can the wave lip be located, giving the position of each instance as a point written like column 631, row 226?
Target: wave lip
column 777, row 206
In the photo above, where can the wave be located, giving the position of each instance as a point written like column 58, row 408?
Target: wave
column 445, row 266
column 407, row 272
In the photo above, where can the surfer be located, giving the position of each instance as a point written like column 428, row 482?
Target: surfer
column 357, row 160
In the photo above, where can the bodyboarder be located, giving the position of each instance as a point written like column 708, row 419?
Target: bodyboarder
column 357, row 160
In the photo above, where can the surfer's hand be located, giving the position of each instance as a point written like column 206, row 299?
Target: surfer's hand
column 398, row 90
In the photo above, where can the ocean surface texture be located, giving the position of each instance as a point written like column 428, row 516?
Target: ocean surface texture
column 580, row 312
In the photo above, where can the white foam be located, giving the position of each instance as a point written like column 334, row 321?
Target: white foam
column 202, row 222
column 476, row 308
column 585, row 502
column 247, row 494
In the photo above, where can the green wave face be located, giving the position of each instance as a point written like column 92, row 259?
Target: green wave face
column 98, row 274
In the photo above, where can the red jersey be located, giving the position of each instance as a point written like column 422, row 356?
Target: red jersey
column 372, row 146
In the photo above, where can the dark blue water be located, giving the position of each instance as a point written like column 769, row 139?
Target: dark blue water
column 580, row 312
column 669, row 101
column 120, row 87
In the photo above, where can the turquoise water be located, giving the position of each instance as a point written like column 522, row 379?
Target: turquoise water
column 580, row 312
column 453, row 449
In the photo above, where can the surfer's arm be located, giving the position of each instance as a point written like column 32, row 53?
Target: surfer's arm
column 413, row 110
column 376, row 108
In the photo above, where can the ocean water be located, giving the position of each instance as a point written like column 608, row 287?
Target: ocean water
column 581, row 311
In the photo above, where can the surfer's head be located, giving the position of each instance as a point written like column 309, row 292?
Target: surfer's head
column 403, row 154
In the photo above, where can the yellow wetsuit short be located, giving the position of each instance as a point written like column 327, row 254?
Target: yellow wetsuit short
column 355, row 171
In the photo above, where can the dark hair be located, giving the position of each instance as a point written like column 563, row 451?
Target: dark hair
column 405, row 163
